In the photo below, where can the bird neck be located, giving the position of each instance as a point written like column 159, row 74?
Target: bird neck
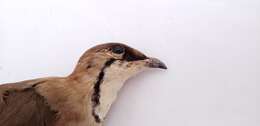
column 101, row 82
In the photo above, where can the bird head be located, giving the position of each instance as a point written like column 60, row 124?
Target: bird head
column 103, row 70
column 117, row 58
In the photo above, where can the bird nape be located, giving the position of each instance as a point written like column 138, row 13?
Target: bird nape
column 81, row 99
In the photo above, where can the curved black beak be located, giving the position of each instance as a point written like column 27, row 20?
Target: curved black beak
column 156, row 63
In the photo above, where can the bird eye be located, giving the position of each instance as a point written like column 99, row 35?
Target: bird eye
column 118, row 49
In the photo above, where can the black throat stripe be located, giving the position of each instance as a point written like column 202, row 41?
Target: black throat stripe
column 96, row 94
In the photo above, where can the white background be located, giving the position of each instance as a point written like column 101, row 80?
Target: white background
column 210, row 46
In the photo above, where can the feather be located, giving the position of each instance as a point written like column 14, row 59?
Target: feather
column 22, row 105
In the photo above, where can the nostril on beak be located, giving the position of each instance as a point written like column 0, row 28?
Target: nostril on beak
column 156, row 63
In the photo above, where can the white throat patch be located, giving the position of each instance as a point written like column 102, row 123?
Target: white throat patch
column 114, row 78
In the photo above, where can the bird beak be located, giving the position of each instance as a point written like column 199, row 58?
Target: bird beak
column 155, row 63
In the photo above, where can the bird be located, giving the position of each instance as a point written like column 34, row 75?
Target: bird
column 83, row 98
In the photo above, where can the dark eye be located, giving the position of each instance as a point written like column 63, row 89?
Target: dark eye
column 118, row 49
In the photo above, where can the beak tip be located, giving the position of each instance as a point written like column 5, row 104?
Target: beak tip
column 155, row 63
column 163, row 66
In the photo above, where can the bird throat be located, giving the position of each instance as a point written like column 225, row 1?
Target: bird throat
column 97, row 88
column 105, row 91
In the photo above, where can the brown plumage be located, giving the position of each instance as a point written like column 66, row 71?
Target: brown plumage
column 81, row 99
